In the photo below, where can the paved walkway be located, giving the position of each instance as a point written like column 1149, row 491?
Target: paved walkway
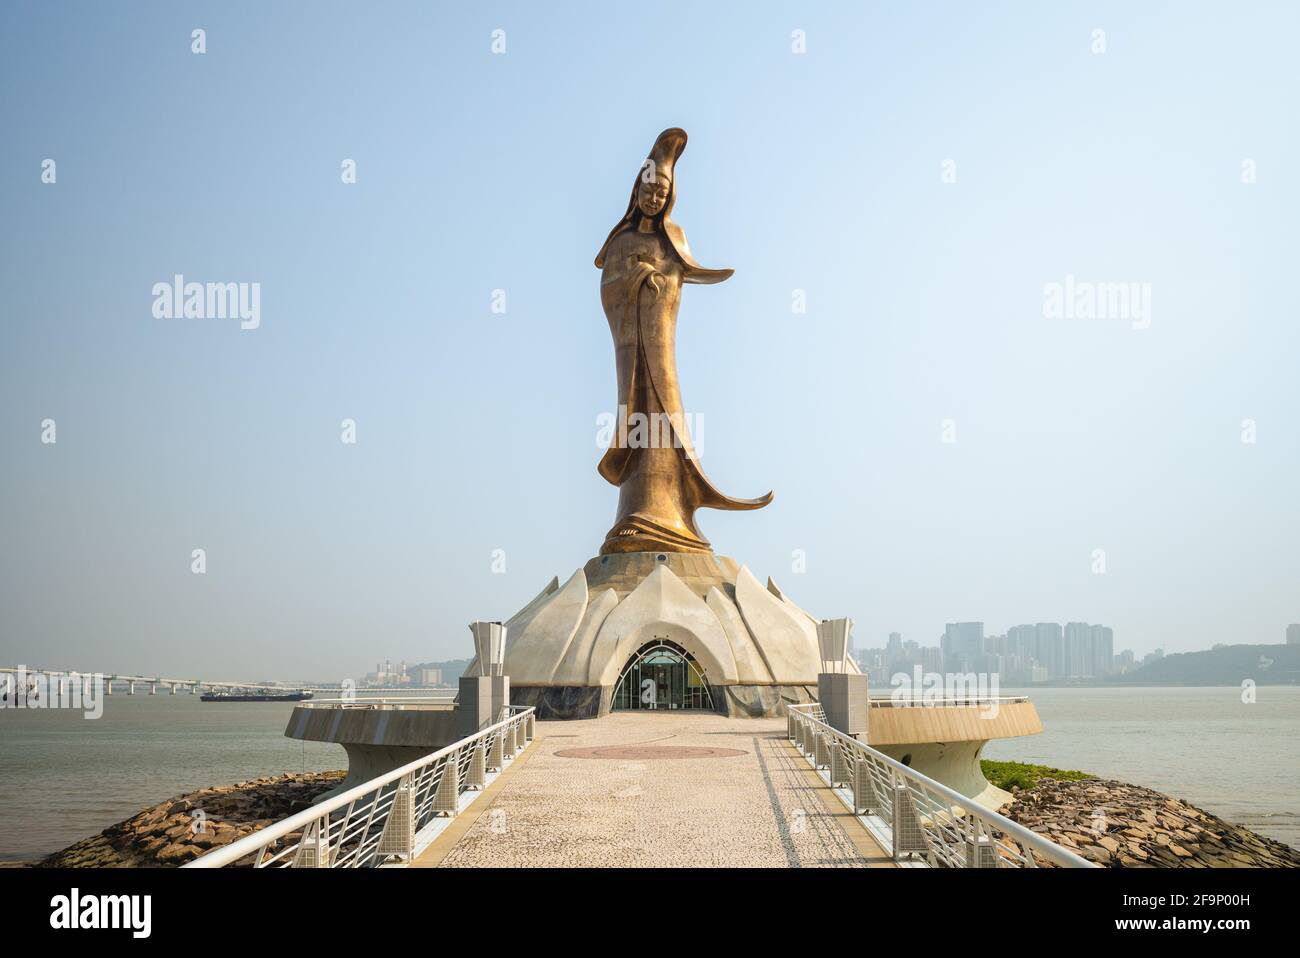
column 763, row 807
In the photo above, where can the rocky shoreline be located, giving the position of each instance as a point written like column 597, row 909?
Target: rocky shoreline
column 1114, row 824
column 181, row 829
column 1118, row 825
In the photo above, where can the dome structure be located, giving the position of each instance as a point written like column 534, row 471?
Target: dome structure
column 663, row 630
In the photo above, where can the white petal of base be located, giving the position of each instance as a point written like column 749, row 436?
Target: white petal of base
column 662, row 607
column 786, row 639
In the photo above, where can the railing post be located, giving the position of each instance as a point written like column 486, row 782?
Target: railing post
column 864, row 789
column 398, row 837
column 789, row 725
column 821, row 751
column 496, row 759
column 979, row 852
column 907, row 826
column 532, row 726
column 839, row 766
column 446, row 800
column 476, row 775
column 313, row 850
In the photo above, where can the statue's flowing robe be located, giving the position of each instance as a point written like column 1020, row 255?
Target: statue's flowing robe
column 660, row 478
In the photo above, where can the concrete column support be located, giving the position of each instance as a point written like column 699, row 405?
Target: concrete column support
column 844, row 697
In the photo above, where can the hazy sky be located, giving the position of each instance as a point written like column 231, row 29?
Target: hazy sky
column 821, row 171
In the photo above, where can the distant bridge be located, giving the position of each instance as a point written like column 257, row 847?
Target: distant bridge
column 152, row 683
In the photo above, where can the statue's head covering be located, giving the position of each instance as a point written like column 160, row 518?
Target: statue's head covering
column 668, row 147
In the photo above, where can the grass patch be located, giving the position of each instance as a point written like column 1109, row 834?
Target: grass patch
column 1009, row 775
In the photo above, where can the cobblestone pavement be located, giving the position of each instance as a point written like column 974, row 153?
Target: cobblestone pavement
column 758, row 809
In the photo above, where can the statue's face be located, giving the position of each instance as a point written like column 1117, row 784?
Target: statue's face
column 651, row 198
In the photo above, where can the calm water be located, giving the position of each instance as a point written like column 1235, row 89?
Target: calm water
column 1204, row 745
column 63, row 778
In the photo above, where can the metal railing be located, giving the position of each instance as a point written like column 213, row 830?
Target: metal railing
column 939, row 701
column 919, row 819
column 387, row 701
column 389, row 818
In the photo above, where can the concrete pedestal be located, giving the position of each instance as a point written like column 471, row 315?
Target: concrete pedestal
column 843, row 695
column 377, row 740
column 566, row 650
column 482, row 698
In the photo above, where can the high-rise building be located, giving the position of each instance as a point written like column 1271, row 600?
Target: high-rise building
column 963, row 645
column 1078, row 650
column 1022, row 646
column 1050, row 648
column 1293, row 634
column 1103, row 650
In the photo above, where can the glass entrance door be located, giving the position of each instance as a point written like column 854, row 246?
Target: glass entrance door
column 662, row 676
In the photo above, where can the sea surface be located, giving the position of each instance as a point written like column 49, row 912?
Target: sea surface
column 63, row 778
column 1205, row 745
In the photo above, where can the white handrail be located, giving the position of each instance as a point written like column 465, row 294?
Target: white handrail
column 945, row 796
column 360, row 702
column 938, row 701
column 316, row 814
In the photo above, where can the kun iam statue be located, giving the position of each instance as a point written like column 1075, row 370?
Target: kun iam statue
column 643, row 264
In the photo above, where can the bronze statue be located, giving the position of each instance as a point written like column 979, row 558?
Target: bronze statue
column 643, row 264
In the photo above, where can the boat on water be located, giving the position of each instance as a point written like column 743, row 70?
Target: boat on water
column 285, row 696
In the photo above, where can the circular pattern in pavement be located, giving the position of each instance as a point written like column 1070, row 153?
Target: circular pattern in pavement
column 649, row 752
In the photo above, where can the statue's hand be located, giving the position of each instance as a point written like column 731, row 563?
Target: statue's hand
column 645, row 273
